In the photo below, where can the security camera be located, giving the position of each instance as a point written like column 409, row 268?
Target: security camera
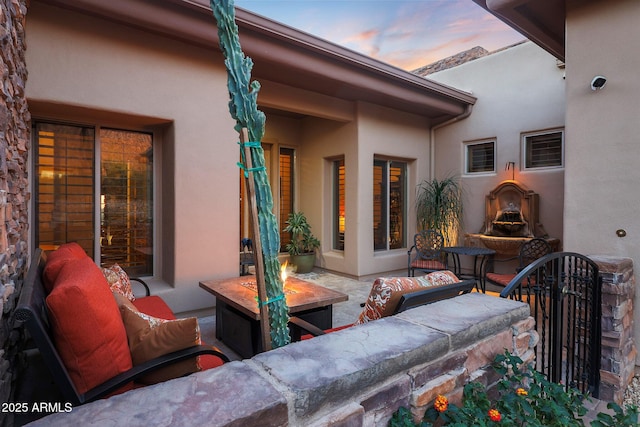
column 598, row 82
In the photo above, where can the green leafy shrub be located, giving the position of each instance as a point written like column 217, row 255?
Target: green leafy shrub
column 524, row 398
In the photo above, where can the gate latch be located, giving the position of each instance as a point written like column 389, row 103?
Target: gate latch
column 567, row 291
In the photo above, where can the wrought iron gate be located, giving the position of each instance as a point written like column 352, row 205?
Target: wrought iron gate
column 563, row 290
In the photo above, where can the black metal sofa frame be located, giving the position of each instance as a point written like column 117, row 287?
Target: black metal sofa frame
column 407, row 301
column 32, row 312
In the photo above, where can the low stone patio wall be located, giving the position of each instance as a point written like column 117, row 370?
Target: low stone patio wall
column 356, row 377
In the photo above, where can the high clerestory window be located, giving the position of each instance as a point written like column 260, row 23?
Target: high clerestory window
column 480, row 157
column 543, row 149
column 94, row 186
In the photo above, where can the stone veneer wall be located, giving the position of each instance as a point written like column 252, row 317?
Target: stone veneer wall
column 355, row 377
column 618, row 351
column 14, row 196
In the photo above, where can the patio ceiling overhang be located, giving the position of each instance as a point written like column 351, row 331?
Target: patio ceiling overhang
column 541, row 21
column 284, row 55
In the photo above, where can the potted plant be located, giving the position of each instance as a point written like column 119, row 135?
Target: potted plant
column 303, row 244
column 439, row 207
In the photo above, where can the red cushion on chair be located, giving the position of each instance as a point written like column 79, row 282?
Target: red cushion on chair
column 154, row 306
column 500, row 279
column 57, row 259
column 87, row 328
column 328, row 331
column 428, row 264
column 209, row 361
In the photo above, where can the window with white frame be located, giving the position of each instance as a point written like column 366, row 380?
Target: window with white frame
column 94, row 186
column 543, row 149
column 480, row 157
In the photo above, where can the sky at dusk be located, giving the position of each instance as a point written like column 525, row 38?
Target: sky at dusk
column 406, row 33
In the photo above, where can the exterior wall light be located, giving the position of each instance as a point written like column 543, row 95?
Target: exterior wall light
column 598, row 82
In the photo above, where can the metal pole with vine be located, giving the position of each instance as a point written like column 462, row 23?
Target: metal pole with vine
column 244, row 110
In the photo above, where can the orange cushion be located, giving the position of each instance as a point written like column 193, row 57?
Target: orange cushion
column 386, row 292
column 87, row 326
column 154, row 306
column 57, row 259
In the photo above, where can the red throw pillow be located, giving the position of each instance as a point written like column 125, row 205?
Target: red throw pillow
column 57, row 259
column 86, row 324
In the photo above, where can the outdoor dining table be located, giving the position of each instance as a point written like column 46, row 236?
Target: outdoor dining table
column 481, row 257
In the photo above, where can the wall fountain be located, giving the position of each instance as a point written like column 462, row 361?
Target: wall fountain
column 511, row 218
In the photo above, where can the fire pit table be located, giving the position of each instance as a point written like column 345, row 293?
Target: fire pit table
column 480, row 258
column 238, row 315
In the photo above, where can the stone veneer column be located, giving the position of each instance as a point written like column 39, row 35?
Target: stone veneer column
column 14, row 196
column 618, row 348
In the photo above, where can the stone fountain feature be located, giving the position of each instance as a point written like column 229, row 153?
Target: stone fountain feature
column 511, row 218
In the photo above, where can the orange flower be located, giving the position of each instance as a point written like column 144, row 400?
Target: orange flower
column 521, row 392
column 494, row 415
column 441, row 404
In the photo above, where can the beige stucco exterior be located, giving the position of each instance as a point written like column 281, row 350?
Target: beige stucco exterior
column 603, row 128
column 603, row 132
column 520, row 90
column 594, row 38
column 94, row 71
column 80, row 61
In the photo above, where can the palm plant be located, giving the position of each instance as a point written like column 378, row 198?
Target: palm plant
column 439, row 207
column 302, row 240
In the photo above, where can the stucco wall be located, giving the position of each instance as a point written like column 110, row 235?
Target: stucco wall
column 91, row 71
column 603, row 130
column 377, row 131
column 520, row 89
column 81, row 61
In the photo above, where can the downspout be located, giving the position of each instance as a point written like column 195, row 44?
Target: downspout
column 432, row 137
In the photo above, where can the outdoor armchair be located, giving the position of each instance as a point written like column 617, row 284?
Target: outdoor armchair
column 529, row 252
column 426, row 253
column 79, row 330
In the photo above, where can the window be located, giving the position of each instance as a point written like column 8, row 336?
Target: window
column 68, row 194
column 287, row 157
column 389, row 204
column 543, row 150
column 338, row 204
column 480, row 157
